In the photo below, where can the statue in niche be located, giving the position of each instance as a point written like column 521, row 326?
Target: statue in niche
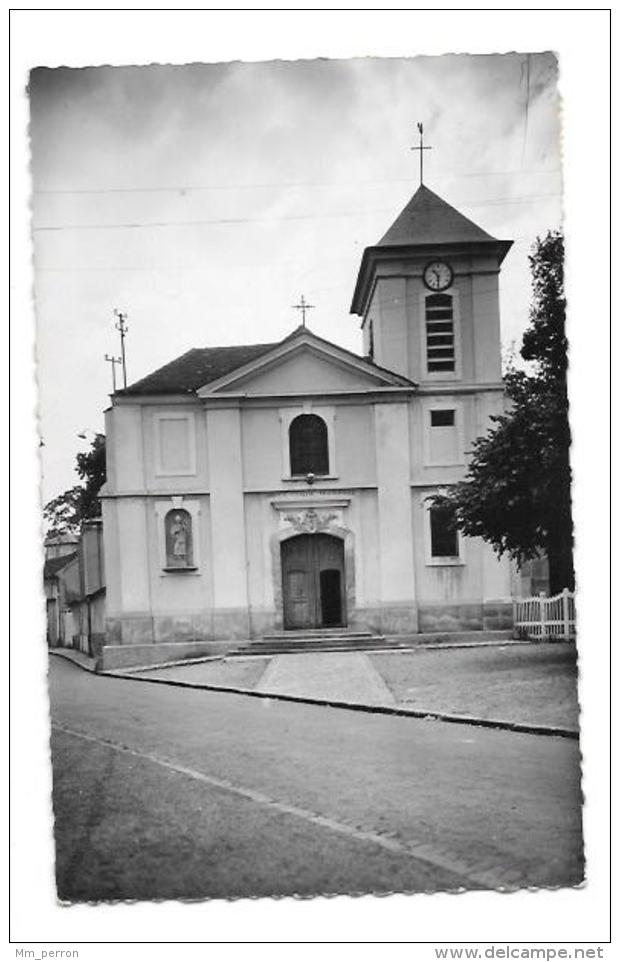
column 178, row 539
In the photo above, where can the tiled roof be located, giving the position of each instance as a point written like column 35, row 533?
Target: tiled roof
column 195, row 368
column 54, row 565
column 61, row 539
column 427, row 219
column 201, row 365
column 427, row 223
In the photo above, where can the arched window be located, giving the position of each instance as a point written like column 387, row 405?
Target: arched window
column 179, row 540
column 308, row 445
column 440, row 352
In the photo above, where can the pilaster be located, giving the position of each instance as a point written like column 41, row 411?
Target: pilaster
column 397, row 580
column 228, row 551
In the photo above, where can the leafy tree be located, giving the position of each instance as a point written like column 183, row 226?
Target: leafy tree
column 65, row 513
column 516, row 493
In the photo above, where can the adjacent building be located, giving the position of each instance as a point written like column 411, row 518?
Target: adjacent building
column 74, row 582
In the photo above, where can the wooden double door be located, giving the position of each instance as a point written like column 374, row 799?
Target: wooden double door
column 313, row 584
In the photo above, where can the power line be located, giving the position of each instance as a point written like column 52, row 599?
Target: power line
column 194, row 188
column 261, row 220
column 197, row 223
column 159, row 268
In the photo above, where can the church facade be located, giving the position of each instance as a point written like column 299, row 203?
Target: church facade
column 274, row 488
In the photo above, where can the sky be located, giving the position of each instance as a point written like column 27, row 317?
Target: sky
column 204, row 200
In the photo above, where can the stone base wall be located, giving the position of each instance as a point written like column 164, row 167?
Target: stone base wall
column 396, row 619
column 130, row 630
column 264, row 622
column 472, row 616
column 114, row 657
column 497, row 615
column 151, row 637
column 144, row 629
column 231, row 623
column 463, row 617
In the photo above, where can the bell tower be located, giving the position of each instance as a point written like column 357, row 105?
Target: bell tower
column 428, row 296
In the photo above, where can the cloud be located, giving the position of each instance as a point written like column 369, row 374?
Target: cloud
column 301, row 166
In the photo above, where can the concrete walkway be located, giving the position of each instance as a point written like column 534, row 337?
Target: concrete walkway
column 330, row 676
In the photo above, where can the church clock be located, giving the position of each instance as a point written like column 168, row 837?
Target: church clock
column 438, row 275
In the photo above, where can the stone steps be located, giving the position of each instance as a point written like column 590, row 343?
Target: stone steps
column 282, row 648
column 319, row 634
column 314, row 639
column 343, row 639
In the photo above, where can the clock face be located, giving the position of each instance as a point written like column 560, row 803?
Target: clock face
column 438, row 275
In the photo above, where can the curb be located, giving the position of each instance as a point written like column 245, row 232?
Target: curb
column 369, row 709
column 74, row 661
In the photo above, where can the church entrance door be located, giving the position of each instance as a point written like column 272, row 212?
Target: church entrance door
column 313, row 582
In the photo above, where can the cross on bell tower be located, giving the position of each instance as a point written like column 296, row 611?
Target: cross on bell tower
column 303, row 307
column 421, row 148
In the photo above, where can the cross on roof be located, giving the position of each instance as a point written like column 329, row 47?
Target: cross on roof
column 421, row 148
column 303, row 307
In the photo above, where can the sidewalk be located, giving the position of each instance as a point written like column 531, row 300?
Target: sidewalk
column 530, row 688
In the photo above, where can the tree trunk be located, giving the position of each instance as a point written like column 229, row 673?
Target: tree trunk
column 560, row 557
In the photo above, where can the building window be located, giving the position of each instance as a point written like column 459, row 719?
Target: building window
column 442, row 419
column 444, row 536
column 443, row 433
column 371, row 342
column 179, row 540
column 308, row 445
column 440, row 350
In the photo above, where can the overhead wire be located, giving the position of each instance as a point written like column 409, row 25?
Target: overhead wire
column 194, row 188
column 258, row 220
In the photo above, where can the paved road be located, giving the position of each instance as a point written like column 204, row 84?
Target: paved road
column 163, row 792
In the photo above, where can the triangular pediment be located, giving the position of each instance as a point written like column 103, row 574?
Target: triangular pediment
column 305, row 364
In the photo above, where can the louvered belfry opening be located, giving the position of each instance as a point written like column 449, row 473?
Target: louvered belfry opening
column 308, row 445
column 439, row 333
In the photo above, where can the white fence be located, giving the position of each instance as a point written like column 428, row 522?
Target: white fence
column 545, row 619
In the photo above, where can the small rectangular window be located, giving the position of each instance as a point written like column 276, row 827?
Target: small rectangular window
column 443, row 441
column 442, row 419
column 444, row 537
